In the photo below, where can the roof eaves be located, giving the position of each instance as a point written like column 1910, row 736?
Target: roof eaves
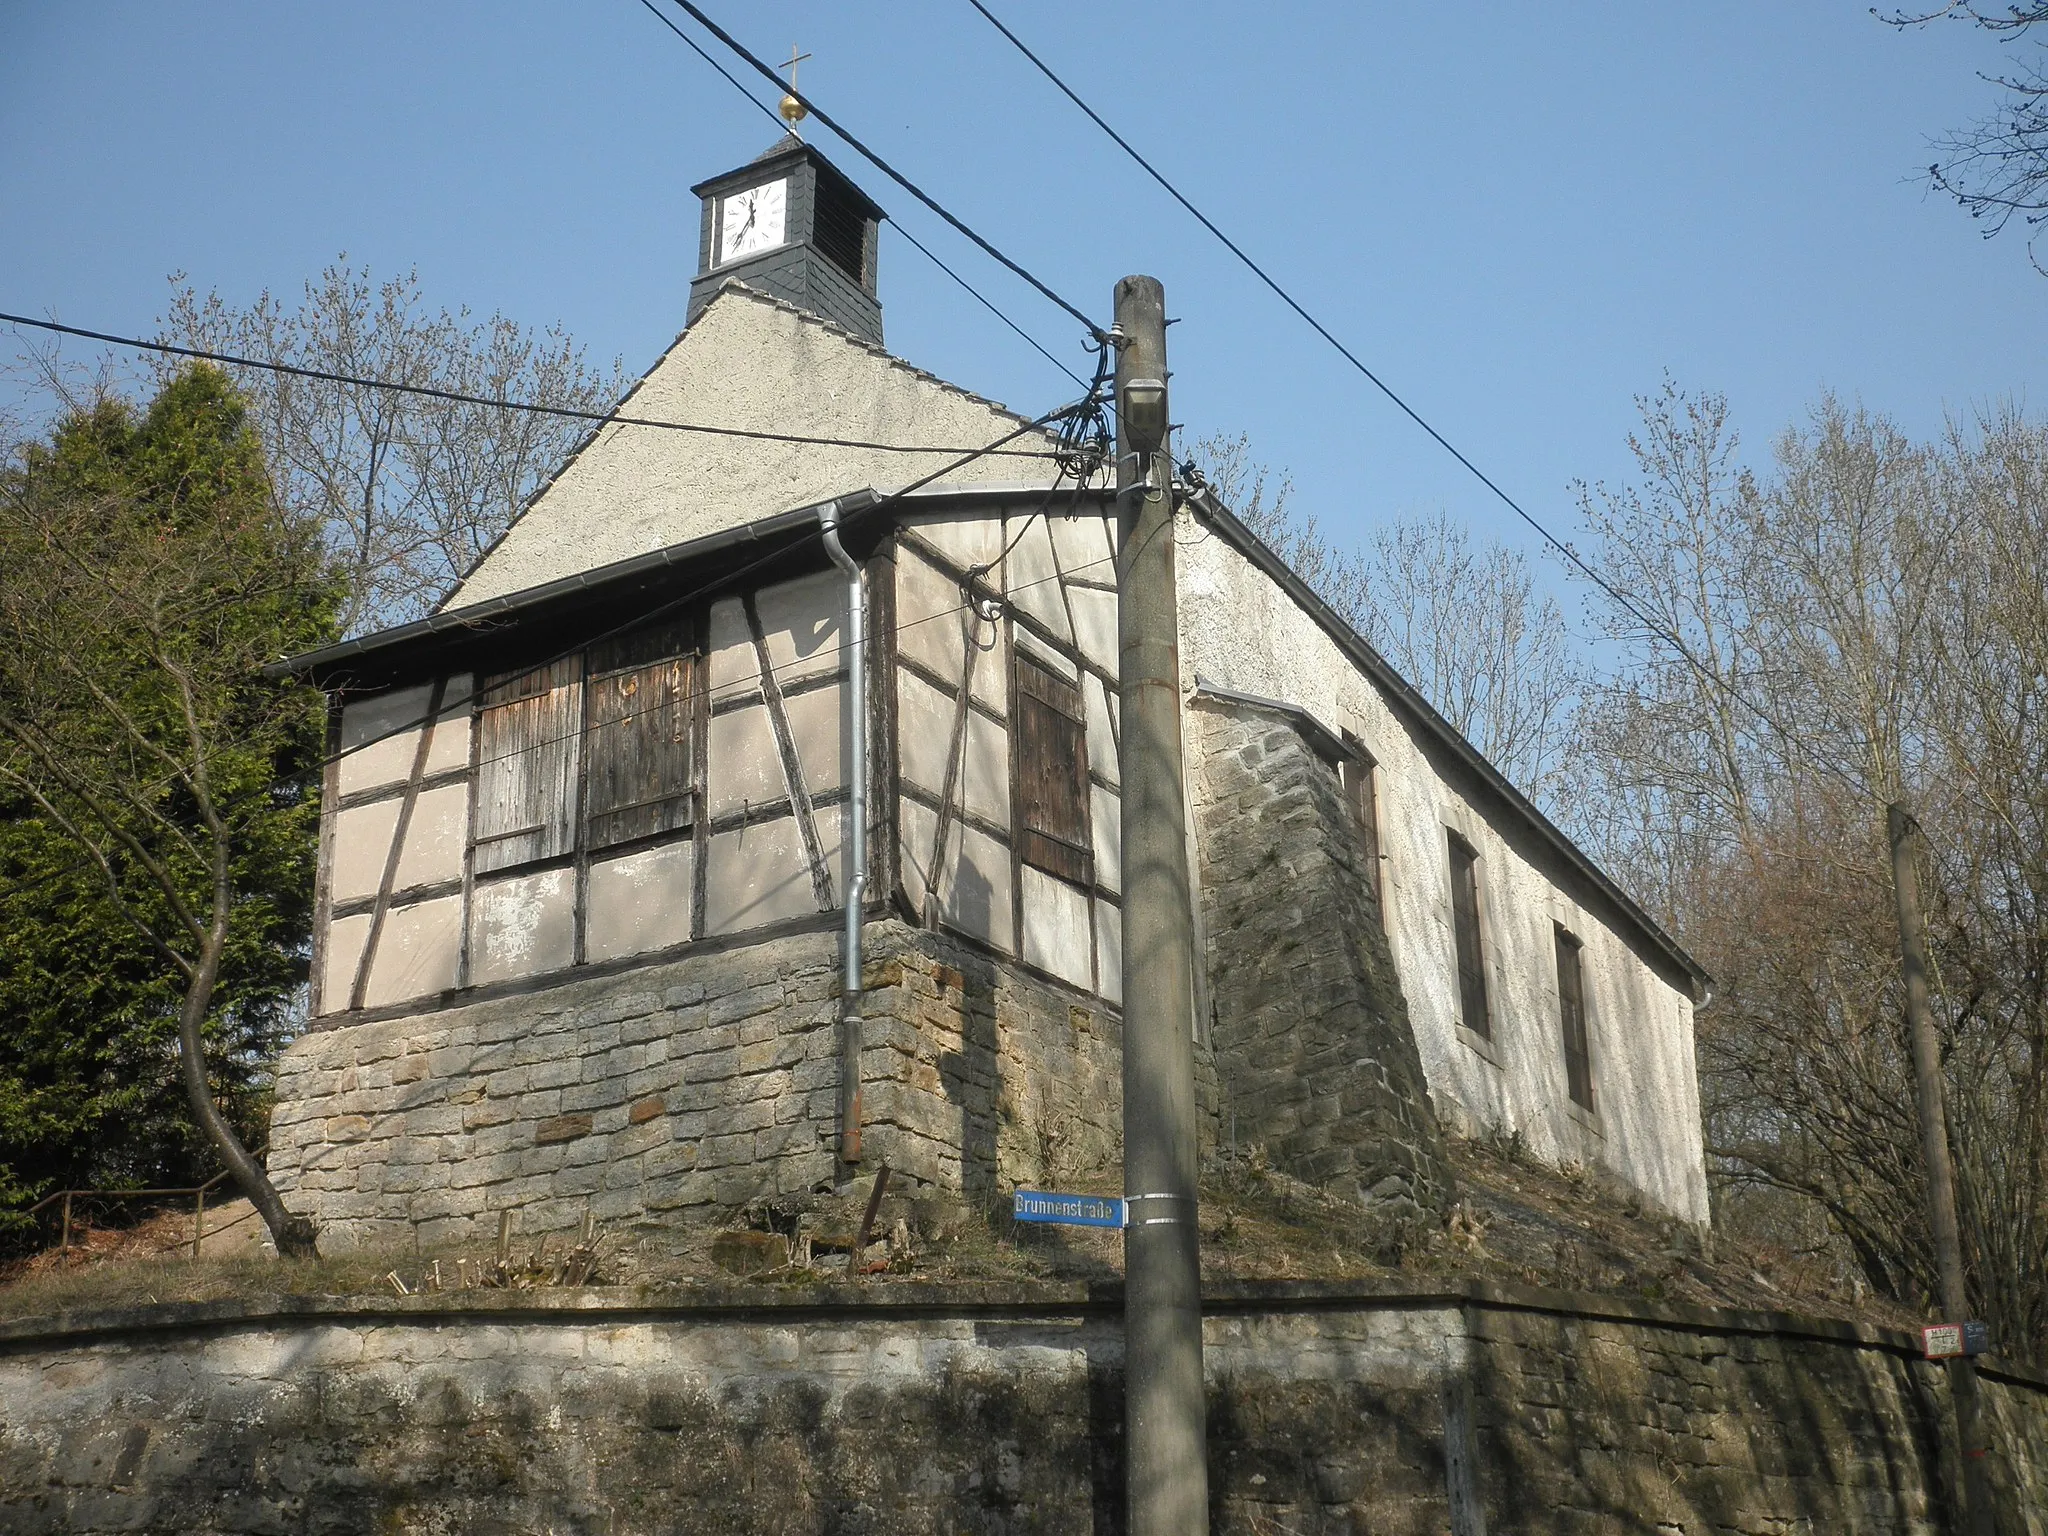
column 495, row 610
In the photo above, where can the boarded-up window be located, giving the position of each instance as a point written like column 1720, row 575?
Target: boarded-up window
column 1571, row 1004
column 1052, row 774
column 1465, row 926
column 638, row 701
column 528, row 737
column 1362, row 790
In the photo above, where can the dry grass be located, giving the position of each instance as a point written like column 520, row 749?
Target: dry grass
column 1516, row 1221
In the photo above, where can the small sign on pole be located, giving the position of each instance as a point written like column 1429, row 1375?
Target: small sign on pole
column 1068, row 1210
column 1944, row 1341
column 1941, row 1341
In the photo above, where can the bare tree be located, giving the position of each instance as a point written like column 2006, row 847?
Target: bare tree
column 409, row 490
column 1867, row 620
column 1460, row 620
column 148, row 579
column 1997, row 168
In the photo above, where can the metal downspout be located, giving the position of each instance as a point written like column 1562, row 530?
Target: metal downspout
column 850, row 1032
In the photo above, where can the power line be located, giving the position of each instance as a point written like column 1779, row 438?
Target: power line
column 768, row 73
column 774, row 117
column 1669, row 637
column 569, row 412
column 1029, row 340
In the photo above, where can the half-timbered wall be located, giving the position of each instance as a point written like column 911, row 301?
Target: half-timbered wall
column 1007, row 808
column 677, row 781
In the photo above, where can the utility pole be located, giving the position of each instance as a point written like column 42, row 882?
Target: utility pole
column 1941, row 1185
column 1165, row 1416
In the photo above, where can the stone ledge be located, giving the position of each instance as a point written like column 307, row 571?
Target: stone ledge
column 924, row 1300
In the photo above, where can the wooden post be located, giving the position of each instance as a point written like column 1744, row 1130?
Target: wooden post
column 64, row 1242
column 1941, row 1187
column 198, row 1220
column 1165, row 1447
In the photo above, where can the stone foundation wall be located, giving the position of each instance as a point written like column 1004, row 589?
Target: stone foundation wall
column 1310, row 1028
column 691, row 1086
column 1472, row 1411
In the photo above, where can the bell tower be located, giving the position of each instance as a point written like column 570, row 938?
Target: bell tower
column 790, row 224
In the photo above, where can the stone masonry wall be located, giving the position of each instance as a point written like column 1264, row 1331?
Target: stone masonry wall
column 690, row 1086
column 924, row 1410
column 1310, row 1028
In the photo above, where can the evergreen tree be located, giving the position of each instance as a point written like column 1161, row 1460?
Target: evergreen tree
column 158, row 795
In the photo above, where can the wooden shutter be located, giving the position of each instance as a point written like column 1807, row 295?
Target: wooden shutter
column 1571, row 1002
column 1465, row 922
column 1362, row 789
column 1052, row 774
column 528, row 734
column 639, row 698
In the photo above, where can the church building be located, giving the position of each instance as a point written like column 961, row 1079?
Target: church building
column 588, row 834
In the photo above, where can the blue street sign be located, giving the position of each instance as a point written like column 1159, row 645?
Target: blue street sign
column 1069, row 1210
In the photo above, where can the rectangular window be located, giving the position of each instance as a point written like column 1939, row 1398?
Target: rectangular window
column 614, row 725
column 528, row 729
column 1465, row 923
column 1571, row 1005
column 1362, row 790
column 1052, row 774
column 640, row 736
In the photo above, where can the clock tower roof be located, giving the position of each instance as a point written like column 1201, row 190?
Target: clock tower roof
column 790, row 224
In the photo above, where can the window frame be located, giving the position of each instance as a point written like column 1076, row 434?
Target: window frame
column 541, row 695
column 672, row 662
column 1360, row 775
column 1062, row 700
column 1468, row 931
column 1578, row 1053
column 573, row 821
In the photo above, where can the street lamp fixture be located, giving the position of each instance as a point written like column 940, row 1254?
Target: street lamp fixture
column 1144, row 415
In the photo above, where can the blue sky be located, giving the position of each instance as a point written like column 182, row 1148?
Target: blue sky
column 1521, row 216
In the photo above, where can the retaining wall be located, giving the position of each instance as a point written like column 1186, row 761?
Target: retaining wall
column 1331, row 1409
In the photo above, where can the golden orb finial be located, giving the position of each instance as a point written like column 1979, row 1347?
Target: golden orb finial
column 793, row 111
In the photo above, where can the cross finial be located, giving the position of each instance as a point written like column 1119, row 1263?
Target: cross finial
column 792, row 109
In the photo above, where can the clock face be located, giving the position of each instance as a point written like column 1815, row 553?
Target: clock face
column 751, row 221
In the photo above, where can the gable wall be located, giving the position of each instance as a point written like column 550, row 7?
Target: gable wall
column 1240, row 630
column 749, row 363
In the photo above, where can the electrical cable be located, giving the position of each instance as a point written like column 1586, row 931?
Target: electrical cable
column 773, row 116
column 572, row 413
column 1668, row 637
column 975, row 293
column 767, row 72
